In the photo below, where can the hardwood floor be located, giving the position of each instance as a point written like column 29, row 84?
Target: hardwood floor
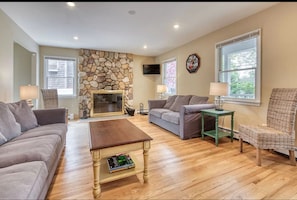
column 178, row 169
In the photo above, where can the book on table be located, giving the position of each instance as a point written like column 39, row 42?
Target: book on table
column 119, row 162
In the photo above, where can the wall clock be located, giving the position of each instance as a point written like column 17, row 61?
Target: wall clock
column 193, row 63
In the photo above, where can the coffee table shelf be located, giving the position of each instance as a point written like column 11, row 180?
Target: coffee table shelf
column 106, row 177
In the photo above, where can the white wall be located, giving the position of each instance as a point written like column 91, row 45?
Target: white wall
column 143, row 85
column 279, row 47
column 71, row 103
column 10, row 33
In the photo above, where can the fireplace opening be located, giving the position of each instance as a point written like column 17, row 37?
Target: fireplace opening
column 107, row 102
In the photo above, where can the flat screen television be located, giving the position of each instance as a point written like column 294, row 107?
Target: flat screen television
column 151, row 69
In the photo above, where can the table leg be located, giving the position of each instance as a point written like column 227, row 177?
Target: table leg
column 96, row 171
column 202, row 126
column 217, row 131
column 146, row 147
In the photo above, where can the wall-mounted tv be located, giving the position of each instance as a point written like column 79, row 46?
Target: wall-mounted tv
column 151, row 69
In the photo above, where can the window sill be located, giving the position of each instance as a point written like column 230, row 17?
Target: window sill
column 243, row 103
column 67, row 96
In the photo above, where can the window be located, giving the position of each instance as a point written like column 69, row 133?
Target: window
column 60, row 74
column 169, row 76
column 239, row 64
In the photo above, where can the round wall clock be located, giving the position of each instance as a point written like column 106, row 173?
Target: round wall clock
column 193, row 63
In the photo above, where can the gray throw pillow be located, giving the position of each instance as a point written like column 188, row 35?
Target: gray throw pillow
column 179, row 101
column 23, row 115
column 198, row 100
column 9, row 128
column 170, row 101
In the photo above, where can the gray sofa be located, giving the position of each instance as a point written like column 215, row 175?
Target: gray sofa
column 31, row 144
column 180, row 114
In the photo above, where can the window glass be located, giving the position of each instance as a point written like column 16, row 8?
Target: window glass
column 238, row 64
column 60, row 74
column 169, row 76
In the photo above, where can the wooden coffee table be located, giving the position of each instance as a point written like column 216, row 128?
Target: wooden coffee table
column 111, row 137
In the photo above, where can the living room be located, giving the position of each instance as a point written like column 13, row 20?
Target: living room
column 278, row 70
column 277, row 32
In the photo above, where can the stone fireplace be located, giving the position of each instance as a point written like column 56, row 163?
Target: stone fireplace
column 107, row 102
column 103, row 70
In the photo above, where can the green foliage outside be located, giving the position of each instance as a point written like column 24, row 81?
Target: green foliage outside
column 242, row 83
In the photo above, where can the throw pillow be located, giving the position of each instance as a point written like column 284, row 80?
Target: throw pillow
column 198, row 100
column 179, row 101
column 23, row 115
column 170, row 101
column 9, row 128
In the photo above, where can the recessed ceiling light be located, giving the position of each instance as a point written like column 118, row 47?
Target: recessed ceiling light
column 71, row 4
column 145, row 46
column 176, row 26
column 75, row 37
column 132, row 12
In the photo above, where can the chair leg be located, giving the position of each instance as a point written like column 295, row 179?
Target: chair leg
column 292, row 157
column 241, row 145
column 258, row 156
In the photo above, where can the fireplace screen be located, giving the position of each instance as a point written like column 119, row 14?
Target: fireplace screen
column 107, row 102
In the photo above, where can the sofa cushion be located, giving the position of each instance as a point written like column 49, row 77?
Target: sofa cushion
column 172, row 117
column 170, row 101
column 158, row 112
column 179, row 101
column 51, row 129
column 23, row 115
column 9, row 128
column 198, row 100
column 23, row 181
column 43, row 148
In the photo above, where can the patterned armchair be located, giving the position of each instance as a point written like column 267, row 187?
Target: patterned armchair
column 279, row 133
column 50, row 100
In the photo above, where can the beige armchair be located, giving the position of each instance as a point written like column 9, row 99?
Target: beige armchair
column 279, row 133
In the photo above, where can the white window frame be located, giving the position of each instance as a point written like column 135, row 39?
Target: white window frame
column 229, row 99
column 74, row 75
column 163, row 75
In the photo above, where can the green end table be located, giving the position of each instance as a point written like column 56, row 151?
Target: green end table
column 217, row 134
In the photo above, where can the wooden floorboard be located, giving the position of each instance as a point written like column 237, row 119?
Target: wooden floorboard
column 178, row 169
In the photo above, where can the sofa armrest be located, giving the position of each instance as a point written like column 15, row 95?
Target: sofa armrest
column 50, row 116
column 187, row 109
column 159, row 103
column 190, row 120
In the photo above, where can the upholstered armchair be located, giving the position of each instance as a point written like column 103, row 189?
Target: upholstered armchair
column 279, row 133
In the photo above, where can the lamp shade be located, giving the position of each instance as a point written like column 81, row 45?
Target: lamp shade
column 161, row 88
column 28, row 92
column 218, row 89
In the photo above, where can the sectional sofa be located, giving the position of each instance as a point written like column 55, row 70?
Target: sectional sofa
column 31, row 144
column 180, row 114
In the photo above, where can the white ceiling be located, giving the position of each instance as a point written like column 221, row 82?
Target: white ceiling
column 108, row 25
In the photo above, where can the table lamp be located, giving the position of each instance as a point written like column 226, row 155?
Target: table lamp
column 29, row 92
column 161, row 89
column 218, row 89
